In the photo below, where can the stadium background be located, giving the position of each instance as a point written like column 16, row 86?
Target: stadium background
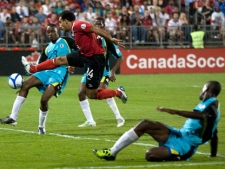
column 136, row 61
column 67, row 146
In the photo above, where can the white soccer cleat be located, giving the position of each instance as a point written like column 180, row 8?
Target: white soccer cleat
column 87, row 124
column 120, row 122
column 26, row 64
column 123, row 96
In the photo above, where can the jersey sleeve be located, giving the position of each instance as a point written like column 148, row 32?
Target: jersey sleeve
column 81, row 26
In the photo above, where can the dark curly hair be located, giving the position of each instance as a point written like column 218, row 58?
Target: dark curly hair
column 67, row 15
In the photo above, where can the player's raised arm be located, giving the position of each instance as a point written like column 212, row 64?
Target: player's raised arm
column 214, row 144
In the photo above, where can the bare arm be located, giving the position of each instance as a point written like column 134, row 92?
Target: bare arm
column 188, row 114
column 117, row 64
column 214, row 144
column 106, row 36
column 115, row 67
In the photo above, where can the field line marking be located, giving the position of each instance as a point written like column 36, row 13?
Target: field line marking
column 87, row 138
column 149, row 166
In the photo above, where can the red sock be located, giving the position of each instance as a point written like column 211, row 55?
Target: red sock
column 105, row 93
column 46, row 65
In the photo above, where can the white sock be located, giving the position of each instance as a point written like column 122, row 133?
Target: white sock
column 42, row 118
column 86, row 110
column 17, row 106
column 112, row 104
column 126, row 139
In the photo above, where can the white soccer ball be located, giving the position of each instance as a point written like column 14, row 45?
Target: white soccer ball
column 15, row 81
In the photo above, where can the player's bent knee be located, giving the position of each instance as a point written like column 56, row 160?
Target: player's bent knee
column 144, row 124
column 91, row 95
column 145, row 121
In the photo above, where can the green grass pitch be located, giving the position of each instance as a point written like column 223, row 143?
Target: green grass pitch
column 66, row 146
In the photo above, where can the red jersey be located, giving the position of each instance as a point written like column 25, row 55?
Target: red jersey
column 146, row 21
column 87, row 42
column 169, row 9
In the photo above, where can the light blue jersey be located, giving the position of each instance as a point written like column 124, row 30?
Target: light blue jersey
column 197, row 127
column 58, row 76
column 109, row 52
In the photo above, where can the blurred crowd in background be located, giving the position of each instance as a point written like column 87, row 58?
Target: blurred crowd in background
column 23, row 22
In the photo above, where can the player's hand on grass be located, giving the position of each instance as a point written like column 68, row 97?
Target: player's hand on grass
column 161, row 109
column 170, row 111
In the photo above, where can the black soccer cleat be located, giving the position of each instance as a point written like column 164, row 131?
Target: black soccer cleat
column 8, row 120
column 41, row 130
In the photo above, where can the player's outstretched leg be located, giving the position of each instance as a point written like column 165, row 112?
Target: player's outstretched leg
column 106, row 93
column 46, row 65
column 113, row 106
column 126, row 139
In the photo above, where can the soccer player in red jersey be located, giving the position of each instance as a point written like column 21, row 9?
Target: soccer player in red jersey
column 91, row 52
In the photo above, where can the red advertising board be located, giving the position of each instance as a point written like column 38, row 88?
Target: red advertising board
column 173, row 61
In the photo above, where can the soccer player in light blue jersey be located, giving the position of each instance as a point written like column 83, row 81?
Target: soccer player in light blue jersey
column 176, row 144
column 108, row 75
column 49, row 82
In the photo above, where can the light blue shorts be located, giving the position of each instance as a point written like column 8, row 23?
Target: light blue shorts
column 52, row 77
column 178, row 145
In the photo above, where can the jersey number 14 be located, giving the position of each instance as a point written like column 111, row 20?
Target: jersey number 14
column 89, row 73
